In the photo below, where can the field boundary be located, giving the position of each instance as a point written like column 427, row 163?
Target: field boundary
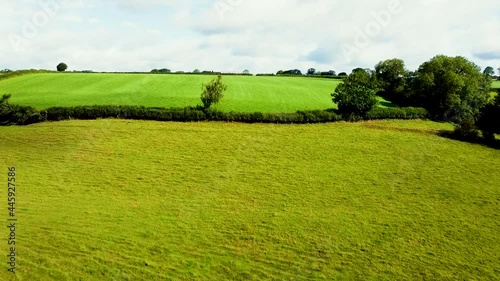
column 24, row 115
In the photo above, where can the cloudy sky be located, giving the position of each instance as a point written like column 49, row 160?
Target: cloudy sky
column 232, row 35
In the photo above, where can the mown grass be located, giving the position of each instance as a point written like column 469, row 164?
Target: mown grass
column 245, row 94
column 496, row 84
column 121, row 200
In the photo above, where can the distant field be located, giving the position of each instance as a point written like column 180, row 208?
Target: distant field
column 126, row 200
column 265, row 94
column 496, row 84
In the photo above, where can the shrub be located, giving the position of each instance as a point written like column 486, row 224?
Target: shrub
column 125, row 112
column 213, row 92
column 397, row 113
column 466, row 130
column 16, row 114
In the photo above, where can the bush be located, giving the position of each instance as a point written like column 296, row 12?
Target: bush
column 17, row 115
column 196, row 114
column 466, row 130
column 124, row 112
column 14, row 114
column 406, row 113
column 319, row 116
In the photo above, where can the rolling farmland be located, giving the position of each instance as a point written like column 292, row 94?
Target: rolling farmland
column 246, row 94
column 218, row 201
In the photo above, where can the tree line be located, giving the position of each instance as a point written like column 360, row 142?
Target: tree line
column 450, row 88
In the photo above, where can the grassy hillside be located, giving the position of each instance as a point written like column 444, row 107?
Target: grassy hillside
column 496, row 84
column 248, row 94
column 119, row 200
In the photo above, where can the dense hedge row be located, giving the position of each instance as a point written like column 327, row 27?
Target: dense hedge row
column 11, row 114
column 189, row 114
column 23, row 115
column 123, row 112
column 193, row 114
column 397, row 113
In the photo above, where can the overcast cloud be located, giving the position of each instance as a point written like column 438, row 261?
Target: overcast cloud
column 233, row 35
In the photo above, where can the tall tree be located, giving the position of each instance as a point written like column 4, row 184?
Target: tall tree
column 489, row 122
column 213, row 92
column 391, row 79
column 451, row 88
column 489, row 71
column 62, row 67
column 355, row 95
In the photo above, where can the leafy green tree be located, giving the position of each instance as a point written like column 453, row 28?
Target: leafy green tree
column 391, row 78
column 5, row 109
column 356, row 94
column 451, row 88
column 292, row 72
column 213, row 92
column 62, row 67
column 196, row 71
column 311, row 71
column 489, row 122
column 489, row 71
column 357, row 69
column 16, row 114
column 246, row 71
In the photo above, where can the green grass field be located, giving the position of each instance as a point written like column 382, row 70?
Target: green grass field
column 496, row 84
column 246, row 94
column 120, row 200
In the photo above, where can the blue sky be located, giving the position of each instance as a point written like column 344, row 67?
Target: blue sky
column 232, row 35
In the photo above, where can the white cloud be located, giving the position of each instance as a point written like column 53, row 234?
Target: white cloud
column 260, row 35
